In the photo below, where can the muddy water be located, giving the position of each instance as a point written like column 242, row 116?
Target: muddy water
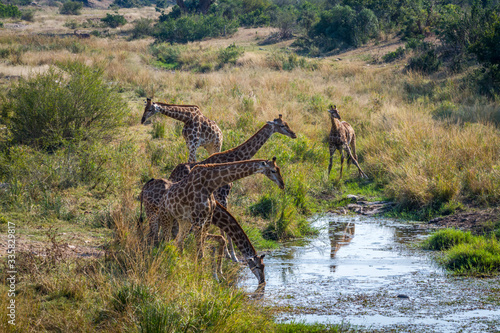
column 363, row 271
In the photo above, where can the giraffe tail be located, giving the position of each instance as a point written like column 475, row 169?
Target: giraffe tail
column 353, row 150
column 141, row 219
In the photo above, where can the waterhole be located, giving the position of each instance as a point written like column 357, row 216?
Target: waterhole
column 368, row 273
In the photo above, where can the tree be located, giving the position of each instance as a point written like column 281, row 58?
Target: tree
column 201, row 7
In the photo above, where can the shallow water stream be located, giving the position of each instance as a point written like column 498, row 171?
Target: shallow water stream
column 363, row 271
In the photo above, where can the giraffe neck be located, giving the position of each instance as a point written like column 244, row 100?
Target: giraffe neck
column 184, row 113
column 214, row 176
column 335, row 125
column 225, row 221
column 246, row 150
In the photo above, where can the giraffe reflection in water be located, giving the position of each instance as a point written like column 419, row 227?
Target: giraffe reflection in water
column 340, row 233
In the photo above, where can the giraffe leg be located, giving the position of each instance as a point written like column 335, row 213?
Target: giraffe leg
column 361, row 173
column 341, row 162
column 332, row 151
column 218, row 260
column 192, row 152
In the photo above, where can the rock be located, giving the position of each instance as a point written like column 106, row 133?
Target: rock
column 352, row 197
column 402, row 296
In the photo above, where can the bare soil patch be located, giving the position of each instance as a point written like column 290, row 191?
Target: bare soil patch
column 478, row 221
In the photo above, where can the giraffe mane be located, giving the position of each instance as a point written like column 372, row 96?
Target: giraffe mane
column 183, row 105
column 199, row 166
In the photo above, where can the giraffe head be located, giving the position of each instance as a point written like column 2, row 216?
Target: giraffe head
column 272, row 171
column 256, row 265
column 149, row 110
column 333, row 112
column 282, row 127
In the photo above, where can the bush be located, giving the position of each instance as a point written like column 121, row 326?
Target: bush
column 114, row 21
column 71, row 8
column 60, row 106
column 142, row 28
column 342, row 27
column 28, row 15
column 425, row 62
column 9, row 11
column 391, row 56
column 194, row 27
column 230, row 54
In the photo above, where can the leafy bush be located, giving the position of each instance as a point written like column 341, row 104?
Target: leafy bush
column 342, row 27
column 394, row 55
column 28, row 15
column 71, row 8
column 194, row 27
column 9, row 11
column 114, row 21
column 143, row 27
column 50, row 109
column 425, row 62
column 230, row 54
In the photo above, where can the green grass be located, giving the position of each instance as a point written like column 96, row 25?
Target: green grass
column 464, row 253
column 446, row 239
column 308, row 328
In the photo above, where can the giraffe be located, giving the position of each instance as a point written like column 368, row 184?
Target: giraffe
column 343, row 138
column 191, row 202
column 198, row 131
column 245, row 151
column 226, row 222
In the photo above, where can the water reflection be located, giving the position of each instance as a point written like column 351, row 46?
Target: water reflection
column 366, row 276
column 340, row 233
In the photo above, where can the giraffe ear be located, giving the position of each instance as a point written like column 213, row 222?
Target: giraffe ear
column 262, row 256
column 263, row 163
column 274, row 158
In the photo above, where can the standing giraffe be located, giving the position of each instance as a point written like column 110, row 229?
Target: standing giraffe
column 190, row 201
column 342, row 137
column 198, row 131
column 243, row 152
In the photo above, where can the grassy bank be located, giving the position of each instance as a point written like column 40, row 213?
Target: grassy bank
column 466, row 254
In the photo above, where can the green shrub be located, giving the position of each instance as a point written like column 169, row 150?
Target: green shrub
column 425, row 62
column 394, row 55
column 266, row 207
column 189, row 28
column 230, row 54
column 28, row 15
column 446, row 239
column 342, row 27
column 9, row 11
column 71, row 8
column 114, row 21
column 49, row 109
column 143, row 27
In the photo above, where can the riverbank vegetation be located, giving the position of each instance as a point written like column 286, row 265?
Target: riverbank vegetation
column 420, row 94
column 467, row 254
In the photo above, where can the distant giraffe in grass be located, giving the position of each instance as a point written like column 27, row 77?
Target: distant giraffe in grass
column 198, row 131
column 343, row 138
